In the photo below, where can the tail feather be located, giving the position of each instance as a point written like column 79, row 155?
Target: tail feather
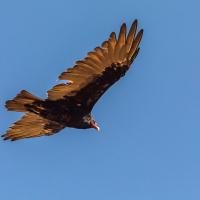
column 19, row 102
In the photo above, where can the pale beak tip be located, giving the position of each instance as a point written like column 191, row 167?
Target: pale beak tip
column 98, row 129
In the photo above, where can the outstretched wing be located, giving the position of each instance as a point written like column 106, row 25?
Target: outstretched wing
column 101, row 68
column 31, row 125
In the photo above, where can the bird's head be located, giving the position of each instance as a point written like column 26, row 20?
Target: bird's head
column 90, row 122
column 93, row 124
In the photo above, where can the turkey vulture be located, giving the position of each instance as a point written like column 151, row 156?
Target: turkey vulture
column 70, row 104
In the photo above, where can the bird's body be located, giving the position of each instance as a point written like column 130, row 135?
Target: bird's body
column 64, row 113
column 70, row 104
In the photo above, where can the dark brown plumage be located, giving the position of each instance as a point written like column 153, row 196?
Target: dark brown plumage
column 70, row 104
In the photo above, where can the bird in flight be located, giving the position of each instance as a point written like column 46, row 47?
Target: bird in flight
column 70, row 104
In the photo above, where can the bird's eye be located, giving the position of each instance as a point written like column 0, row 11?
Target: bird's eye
column 93, row 122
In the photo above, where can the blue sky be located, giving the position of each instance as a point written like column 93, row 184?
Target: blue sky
column 148, row 147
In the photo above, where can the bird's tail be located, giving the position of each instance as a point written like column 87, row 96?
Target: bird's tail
column 21, row 101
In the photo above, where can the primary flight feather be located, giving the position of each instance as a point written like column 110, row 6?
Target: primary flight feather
column 70, row 104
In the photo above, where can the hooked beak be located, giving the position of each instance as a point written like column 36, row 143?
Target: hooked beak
column 93, row 125
column 97, row 128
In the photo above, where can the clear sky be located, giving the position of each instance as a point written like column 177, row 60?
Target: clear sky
column 149, row 144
